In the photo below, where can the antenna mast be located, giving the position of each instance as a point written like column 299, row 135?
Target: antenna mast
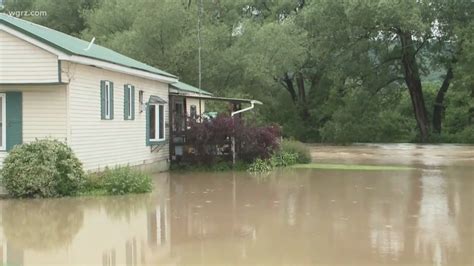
column 200, row 7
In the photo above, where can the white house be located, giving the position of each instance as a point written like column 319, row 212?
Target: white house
column 110, row 109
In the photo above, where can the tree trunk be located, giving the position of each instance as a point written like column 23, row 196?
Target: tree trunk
column 288, row 84
column 301, row 88
column 303, row 105
column 438, row 105
column 412, row 79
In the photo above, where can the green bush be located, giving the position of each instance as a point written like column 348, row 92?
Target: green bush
column 260, row 166
column 93, row 186
column 466, row 135
column 43, row 168
column 125, row 180
column 296, row 147
column 283, row 159
column 279, row 159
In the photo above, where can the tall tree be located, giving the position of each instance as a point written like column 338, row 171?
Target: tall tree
column 409, row 30
column 354, row 69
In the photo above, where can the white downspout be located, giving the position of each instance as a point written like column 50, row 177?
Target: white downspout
column 252, row 105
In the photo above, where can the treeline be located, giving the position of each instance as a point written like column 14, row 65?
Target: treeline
column 327, row 71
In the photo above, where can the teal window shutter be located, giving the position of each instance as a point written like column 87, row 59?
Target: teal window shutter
column 126, row 102
column 111, row 88
column 147, row 142
column 132, row 98
column 14, row 119
column 102, row 99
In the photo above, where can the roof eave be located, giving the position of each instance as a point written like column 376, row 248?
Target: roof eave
column 118, row 68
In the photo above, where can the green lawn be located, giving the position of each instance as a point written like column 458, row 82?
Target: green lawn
column 353, row 167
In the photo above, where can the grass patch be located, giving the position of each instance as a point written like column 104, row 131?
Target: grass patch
column 93, row 192
column 352, row 167
column 116, row 181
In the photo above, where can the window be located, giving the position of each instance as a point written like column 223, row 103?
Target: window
column 128, row 102
column 2, row 122
column 107, row 100
column 156, row 122
column 193, row 111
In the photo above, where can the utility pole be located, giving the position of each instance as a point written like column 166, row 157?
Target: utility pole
column 200, row 11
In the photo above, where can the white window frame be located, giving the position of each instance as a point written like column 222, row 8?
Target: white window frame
column 129, row 92
column 107, row 101
column 141, row 102
column 157, row 124
column 4, row 121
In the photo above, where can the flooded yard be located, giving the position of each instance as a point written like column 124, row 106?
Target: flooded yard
column 418, row 216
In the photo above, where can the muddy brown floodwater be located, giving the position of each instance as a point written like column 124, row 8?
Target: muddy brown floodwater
column 422, row 216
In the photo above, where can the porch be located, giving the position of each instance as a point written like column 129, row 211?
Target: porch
column 188, row 109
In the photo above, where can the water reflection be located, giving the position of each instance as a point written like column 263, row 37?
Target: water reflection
column 41, row 224
column 437, row 231
column 92, row 231
column 303, row 216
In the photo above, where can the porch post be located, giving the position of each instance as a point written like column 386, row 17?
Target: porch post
column 234, row 108
column 233, row 147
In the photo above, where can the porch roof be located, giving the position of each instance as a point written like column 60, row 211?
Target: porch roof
column 156, row 99
column 225, row 99
column 181, row 86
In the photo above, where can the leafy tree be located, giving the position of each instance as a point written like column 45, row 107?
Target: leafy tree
column 415, row 29
column 339, row 71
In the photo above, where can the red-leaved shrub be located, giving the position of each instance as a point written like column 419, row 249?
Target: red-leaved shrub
column 211, row 139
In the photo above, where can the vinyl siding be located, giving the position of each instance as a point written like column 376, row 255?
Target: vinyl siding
column 100, row 143
column 22, row 62
column 44, row 112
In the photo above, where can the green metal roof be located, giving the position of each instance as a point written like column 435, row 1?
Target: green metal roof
column 74, row 46
column 188, row 88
